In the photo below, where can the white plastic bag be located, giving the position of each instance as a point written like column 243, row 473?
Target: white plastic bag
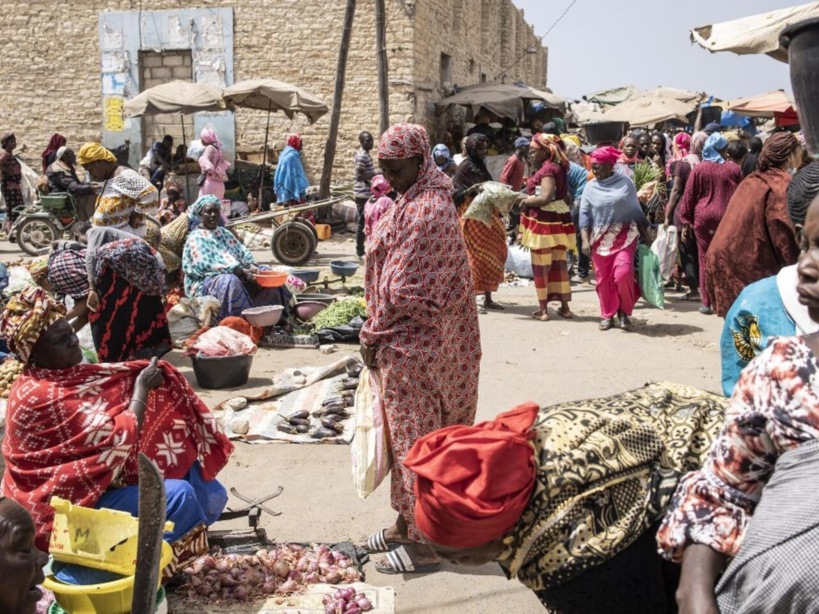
column 370, row 449
column 519, row 262
column 665, row 248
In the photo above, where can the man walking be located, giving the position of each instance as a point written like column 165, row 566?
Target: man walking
column 364, row 173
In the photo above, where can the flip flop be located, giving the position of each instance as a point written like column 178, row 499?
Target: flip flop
column 606, row 324
column 400, row 563
column 568, row 315
column 494, row 306
column 543, row 316
column 377, row 542
column 688, row 297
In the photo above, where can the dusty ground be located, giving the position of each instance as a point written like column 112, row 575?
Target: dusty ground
column 523, row 359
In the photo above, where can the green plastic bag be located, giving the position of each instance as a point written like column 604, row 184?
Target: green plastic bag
column 649, row 277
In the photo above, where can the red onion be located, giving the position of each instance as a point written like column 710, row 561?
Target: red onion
column 334, row 577
column 240, row 592
column 288, row 587
column 302, row 565
column 352, row 608
column 269, row 587
column 343, row 564
column 282, row 568
column 312, row 567
column 326, row 599
column 322, row 550
column 294, row 575
column 364, row 604
column 347, row 593
column 351, row 574
column 312, row 578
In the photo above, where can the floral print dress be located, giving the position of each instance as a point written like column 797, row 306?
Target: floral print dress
column 774, row 408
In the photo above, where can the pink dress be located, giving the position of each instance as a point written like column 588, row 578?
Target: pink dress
column 373, row 211
column 214, row 166
column 423, row 322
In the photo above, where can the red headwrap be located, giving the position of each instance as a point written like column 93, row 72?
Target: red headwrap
column 474, row 482
column 605, row 155
column 553, row 146
column 294, row 140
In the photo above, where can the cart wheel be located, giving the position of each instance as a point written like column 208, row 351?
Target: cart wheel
column 293, row 244
column 308, row 224
column 35, row 236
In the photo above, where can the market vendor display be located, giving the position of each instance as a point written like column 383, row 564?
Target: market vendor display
column 216, row 264
column 74, row 430
column 566, row 498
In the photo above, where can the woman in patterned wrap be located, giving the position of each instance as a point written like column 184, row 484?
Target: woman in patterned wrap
column 73, row 430
column 422, row 335
column 567, row 498
column 126, row 196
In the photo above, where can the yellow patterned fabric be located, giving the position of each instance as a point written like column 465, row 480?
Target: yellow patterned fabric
column 550, row 230
column 126, row 193
column 94, row 152
column 25, row 318
column 607, row 470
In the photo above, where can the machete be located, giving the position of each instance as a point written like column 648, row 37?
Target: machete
column 151, row 531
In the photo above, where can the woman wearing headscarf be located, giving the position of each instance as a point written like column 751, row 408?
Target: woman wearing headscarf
column 217, row 264
column 567, row 498
column 611, row 222
column 74, row 430
column 710, row 187
column 213, row 165
column 11, row 178
column 546, row 224
column 770, row 307
column 173, row 203
column 49, row 153
column 485, row 245
column 62, row 177
column 689, row 258
column 680, row 148
column 380, row 201
column 443, row 160
column 756, row 239
column 126, row 288
column 126, row 196
column 422, row 335
column 290, row 181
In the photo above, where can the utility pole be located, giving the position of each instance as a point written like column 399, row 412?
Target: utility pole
column 335, row 117
column 383, row 68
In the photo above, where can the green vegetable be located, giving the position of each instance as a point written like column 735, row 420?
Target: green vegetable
column 339, row 313
column 646, row 173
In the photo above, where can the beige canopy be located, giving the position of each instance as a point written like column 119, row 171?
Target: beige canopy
column 764, row 105
column 273, row 95
column 649, row 109
column 615, row 95
column 501, row 99
column 754, row 34
column 175, row 97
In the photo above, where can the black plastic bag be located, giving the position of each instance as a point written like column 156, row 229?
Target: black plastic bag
column 349, row 332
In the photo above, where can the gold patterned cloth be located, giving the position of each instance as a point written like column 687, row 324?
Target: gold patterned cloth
column 607, row 470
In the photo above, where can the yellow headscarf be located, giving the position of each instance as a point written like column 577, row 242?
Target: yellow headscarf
column 94, row 152
column 571, row 138
column 25, row 318
column 38, row 266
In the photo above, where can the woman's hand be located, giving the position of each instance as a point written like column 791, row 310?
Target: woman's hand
column 701, row 568
column 586, row 249
column 685, row 234
column 150, row 377
column 93, row 301
column 368, row 356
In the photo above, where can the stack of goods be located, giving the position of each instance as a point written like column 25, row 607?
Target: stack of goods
column 281, row 571
column 10, row 370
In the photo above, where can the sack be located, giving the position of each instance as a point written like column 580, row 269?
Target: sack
column 519, row 262
column 649, row 278
column 200, row 181
column 665, row 248
column 372, row 459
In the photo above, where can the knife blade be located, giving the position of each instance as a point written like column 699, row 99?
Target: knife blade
column 152, row 504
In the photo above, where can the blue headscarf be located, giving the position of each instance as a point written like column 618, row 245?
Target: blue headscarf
column 442, row 151
column 715, row 144
column 195, row 210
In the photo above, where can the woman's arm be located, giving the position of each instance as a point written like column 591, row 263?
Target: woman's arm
column 780, row 229
column 548, row 187
column 677, row 189
column 206, row 163
column 701, row 568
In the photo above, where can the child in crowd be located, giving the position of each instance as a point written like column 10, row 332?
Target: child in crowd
column 379, row 203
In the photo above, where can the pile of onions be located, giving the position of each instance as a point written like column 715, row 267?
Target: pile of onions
column 283, row 571
column 346, row 601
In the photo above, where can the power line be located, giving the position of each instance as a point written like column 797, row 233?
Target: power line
column 559, row 19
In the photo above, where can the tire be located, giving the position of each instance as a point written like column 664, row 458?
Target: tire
column 35, row 235
column 308, row 224
column 293, row 244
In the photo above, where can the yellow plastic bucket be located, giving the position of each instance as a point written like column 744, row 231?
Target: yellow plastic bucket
column 100, row 539
column 108, row 598
column 323, row 231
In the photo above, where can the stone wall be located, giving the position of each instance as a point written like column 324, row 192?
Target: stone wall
column 50, row 73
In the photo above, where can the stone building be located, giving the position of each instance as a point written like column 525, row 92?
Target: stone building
column 68, row 67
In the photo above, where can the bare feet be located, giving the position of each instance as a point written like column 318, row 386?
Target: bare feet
column 543, row 315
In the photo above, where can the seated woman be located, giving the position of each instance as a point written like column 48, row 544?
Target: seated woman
column 172, row 204
column 74, row 430
column 21, row 562
column 62, row 177
column 771, row 424
column 126, row 280
column 216, row 264
column 566, row 498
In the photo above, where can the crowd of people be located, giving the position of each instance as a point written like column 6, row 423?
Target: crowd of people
column 636, row 503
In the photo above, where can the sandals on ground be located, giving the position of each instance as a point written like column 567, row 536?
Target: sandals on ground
column 399, row 562
column 377, row 542
column 606, row 324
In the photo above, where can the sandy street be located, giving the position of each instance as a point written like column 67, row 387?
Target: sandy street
column 523, row 359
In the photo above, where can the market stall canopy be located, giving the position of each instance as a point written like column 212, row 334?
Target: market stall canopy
column 501, row 99
column 175, row 97
column 650, row 109
column 615, row 95
column 764, row 105
column 754, row 34
column 675, row 94
column 273, row 95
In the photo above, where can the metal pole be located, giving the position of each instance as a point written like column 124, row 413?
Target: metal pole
column 383, row 67
column 335, row 118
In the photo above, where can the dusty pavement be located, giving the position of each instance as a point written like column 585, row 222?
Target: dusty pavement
column 523, row 359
